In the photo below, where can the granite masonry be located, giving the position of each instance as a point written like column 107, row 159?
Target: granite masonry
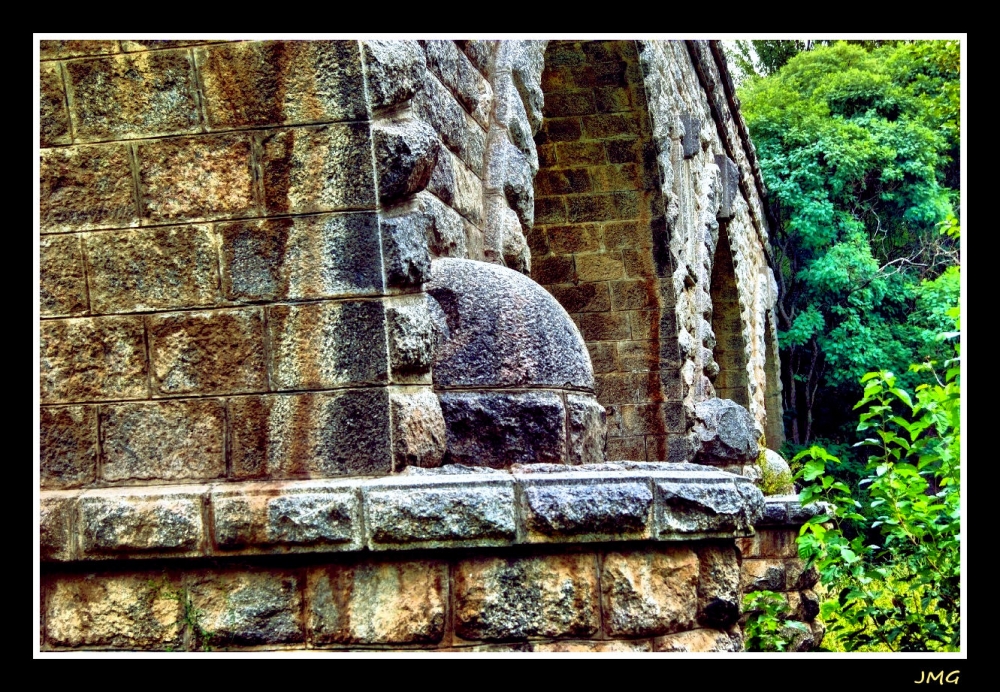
column 405, row 345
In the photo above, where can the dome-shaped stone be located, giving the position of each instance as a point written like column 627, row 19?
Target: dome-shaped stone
column 503, row 330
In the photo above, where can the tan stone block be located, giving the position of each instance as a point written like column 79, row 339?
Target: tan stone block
column 604, row 326
column 92, row 358
column 616, row 177
column 719, row 599
column 211, row 352
column 324, row 345
column 55, row 526
column 626, row 449
column 778, row 543
column 378, row 603
column 657, row 447
column 797, row 577
column 68, row 446
column 164, row 440
column 143, row 610
column 647, row 386
column 599, row 267
column 762, row 575
column 246, row 609
column 137, row 46
column 63, row 282
column 603, row 354
column 578, row 238
column 82, row 188
column 553, row 270
column 638, row 356
column 587, row 647
column 256, row 83
column 634, row 295
column 539, row 596
column 644, row 325
column 51, row 50
column 628, row 234
column 152, row 269
column 418, row 428
column 196, row 178
column 123, row 521
column 580, row 154
column 638, row 263
column 313, row 435
column 650, row 591
column 651, row 419
column 614, row 388
column 52, row 114
column 583, row 298
column 695, row 641
column 313, row 169
column 135, row 95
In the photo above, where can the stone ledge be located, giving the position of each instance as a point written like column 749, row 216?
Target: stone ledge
column 787, row 510
column 449, row 507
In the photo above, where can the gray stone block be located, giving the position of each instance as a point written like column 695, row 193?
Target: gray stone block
column 510, row 171
column 457, row 72
column 413, row 512
column 418, row 431
column 405, row 251
column 587, row 430
column 579, row 508
column 435, row 105
column 727, row 432
column 411, row 334
column 125, row 522
column 691, row 142
column 57, row 542
column 730, row 185
column 395, row 71
column 707, row 506
column 405, row 154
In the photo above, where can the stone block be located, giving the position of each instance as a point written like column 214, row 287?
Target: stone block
column 52, row 114
column 553, row 270
column 68, row 446
column 62, row 278
column 456, row 185
column 691, row 141
column 586, row 428
column 719, row 599
column 324, row 256
column 446, row 235
column 613, row 99
column 727, row 432
column 614, row 388
column 316, row 169
column 577, row 238
column 616, row 178
column 418, row 430
column 139, row 610
column 561, row 104
column 91, row 359
column 134, row 95
column 603, row 356
column 324, row 345
column 435, row 105
column 126, row 521
column 651, row 591
column 730, row 186
column 715, row 505
column 499, row 598
column 164, row 440
column 581, row 154
column 57, row 541
column 406, row 152
column 152, row 269
column 405, row 249
column 457, row 72
column 129, row 46
column 798, row 577
column 246, row 608
column 777, row 543
column 511, row 172
column 550, row 210
column 411, row 334
column 639, row 263
column 195, row 179
column 311, row 435
column 498, row 429
column 634, row 295
column 83, row 188
column 696, row 641
column 585, row 509
column 218, row 352
column 644, row 325
column 592, row 297
column 511, row 113
column 407, row 512
column 560, row 130
column 53, row 50
column 627, row 234
column 587, row 647
column 762, row 575
column 300, row 516
column 395, row 71
column 258, row 83
column 480, row 53
column 604, row 326
column 378, row 603
column 626, row 448
column 639, row 356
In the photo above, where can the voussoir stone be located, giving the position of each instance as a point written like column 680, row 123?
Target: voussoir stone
column 405, row 154
column 505, row 330
column 727, row 432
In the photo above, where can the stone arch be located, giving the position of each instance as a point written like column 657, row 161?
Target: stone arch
column 598, row 221
column 730, row 352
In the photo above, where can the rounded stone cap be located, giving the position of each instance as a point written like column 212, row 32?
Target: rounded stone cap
column 501, row 329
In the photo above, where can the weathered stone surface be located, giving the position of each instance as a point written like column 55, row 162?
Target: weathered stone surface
column 411, row 335
column 185, row 179
column 51, row 50
column 586, row 423
column 81, row 188
column 525, row 60
column 250, row 84
column 378, row 603
column 405, row 250
column 691, row 141
column 586, row 509
column 247, row 608
column 730, row 186
column 718, row 586
column 315, row 169
column 152, row 269
column 132, row 46
column 585, row 647
column 121, row 611
column 395, row 71
column 803, row 605
column 165, row 440
column 695, row 641
column 55, row 526
column 514, row 598
column 311, row 435
column 649, row 591
column 778, row 543
column 446, row 236
column 480, row 53
column 797, row 577
column 712, row 505
column 511, row 113
column 310, row 514
column 62, row 279
column 505, row 330
column 504, row 241
column 113, row 521
column 777, row 468
column 435, row 105
column 309, row 257
column 727, row 432
column 510, row 172
column 323, row 345
column 219, row 352
column 457, row 186
column 418, row 431
column 92, row 358
column 129, row 96
column 428, row 512
column 497, row 429
column 457, row 72
column 53, row 116
column 762, row 575
column 405, row 154
column 68, row 446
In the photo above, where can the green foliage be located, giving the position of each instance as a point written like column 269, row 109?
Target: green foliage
column 767, row 627
column 891, row 558
column 191, row 616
